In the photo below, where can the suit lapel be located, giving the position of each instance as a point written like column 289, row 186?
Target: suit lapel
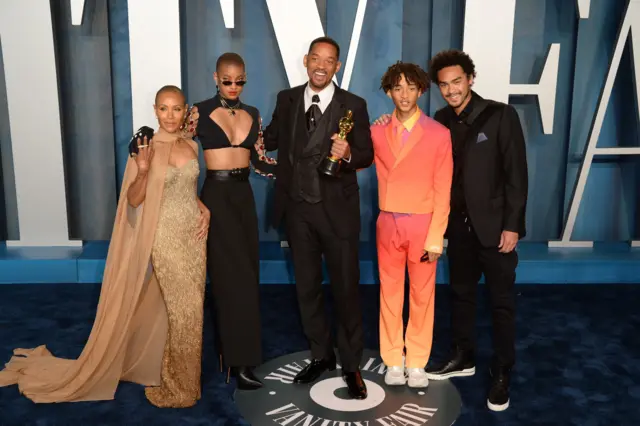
column 299, row 133
column 392, row 141
column 414, row 137
column 395, row 142
column 475, row 120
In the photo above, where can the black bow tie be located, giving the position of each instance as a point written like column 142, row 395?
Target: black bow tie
column 313, row 114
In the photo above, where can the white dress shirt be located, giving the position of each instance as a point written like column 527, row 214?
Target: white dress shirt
column 326, row 95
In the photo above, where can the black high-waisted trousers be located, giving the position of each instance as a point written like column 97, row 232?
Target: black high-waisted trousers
column 232, row 265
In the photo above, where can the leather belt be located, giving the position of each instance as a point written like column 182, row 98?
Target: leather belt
column 229, row 175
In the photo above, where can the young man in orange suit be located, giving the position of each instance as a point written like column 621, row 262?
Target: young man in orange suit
column 414, row 166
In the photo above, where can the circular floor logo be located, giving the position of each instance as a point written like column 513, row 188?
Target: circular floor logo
column 326, row 402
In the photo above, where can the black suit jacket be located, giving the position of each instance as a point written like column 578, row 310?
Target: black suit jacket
column 287, row 133
column 494, row 173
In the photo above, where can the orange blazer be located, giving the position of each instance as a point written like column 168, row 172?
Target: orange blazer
column 415, row 178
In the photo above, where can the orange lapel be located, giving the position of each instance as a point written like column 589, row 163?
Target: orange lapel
column 392, row 140
column 414, row 138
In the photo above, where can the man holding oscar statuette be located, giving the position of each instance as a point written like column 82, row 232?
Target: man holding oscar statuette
column 322, row 136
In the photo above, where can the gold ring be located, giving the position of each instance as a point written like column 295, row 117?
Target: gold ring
column 142, row 146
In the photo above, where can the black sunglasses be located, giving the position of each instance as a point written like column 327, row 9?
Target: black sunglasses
column 238, row 83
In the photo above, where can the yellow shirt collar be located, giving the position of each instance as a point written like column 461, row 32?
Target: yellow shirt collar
column 411, row 121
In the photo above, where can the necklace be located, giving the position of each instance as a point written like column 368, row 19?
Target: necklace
column 229, row 108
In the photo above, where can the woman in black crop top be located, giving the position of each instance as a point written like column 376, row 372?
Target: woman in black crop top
column 228, row 130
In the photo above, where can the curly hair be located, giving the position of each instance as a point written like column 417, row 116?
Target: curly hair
column 451, row 58
column 412, row 73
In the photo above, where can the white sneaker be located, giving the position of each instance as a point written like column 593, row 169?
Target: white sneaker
column 395, row 376
column 417, row 378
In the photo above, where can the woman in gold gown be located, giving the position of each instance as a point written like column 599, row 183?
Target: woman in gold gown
column 148, row 326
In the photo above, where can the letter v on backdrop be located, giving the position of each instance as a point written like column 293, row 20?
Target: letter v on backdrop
column 292, row 33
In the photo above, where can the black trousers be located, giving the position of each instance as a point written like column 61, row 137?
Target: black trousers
column 468, row 260
column 311, row 237
column 233, row 268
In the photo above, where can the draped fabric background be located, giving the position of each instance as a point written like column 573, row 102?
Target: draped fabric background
column 94, row 80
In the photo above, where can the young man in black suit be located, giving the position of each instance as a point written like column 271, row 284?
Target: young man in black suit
column 488, row 203
column 322, row 213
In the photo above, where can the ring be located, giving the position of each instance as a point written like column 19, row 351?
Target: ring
column 142, row 146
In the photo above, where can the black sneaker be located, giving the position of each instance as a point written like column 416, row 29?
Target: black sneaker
column 460, row 364
column 498, row 399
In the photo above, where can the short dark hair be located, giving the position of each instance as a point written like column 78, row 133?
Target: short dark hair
column 451, row 58
column 229, row 58
column 327, row 40
column 413, row 73
column 172, row 89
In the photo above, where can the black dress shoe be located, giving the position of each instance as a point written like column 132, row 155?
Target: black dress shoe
column 460, row 364
column 245, row 378
column 498, row 399
column 314, row 370
column 357, row 386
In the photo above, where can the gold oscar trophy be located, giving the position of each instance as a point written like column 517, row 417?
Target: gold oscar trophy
column 331, row 165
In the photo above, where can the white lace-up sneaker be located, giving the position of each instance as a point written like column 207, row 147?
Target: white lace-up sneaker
column 417, row 378
column 395, row 376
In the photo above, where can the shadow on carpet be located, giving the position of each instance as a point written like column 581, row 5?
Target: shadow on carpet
column 578, row 356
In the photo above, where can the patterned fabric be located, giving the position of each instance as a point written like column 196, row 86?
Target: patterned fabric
column 178, row 260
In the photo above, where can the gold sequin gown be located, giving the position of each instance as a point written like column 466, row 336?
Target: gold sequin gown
column 179, row 264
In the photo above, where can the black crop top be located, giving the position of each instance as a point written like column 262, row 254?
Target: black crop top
column 211, row 135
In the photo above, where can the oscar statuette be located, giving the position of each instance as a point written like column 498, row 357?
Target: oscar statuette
column 331, row 165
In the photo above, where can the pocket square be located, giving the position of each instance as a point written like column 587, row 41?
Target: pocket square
column 481, row 137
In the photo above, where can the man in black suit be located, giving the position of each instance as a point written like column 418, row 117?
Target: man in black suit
column 488, row 203
column 322, row 213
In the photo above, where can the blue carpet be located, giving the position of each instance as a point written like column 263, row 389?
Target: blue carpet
column 578, row 356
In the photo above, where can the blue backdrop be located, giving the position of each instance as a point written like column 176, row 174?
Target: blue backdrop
column 96, row 98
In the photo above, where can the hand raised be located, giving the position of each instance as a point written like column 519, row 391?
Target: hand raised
column 145, row 155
